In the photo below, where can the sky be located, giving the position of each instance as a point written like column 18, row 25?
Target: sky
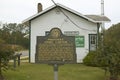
column 15, row 11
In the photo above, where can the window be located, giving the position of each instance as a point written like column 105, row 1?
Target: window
column 92, row 42
column 47, row 32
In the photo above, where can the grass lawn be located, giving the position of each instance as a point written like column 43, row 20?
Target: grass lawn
column 29, row 71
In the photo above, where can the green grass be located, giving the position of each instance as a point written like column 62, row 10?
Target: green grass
column 29, row 71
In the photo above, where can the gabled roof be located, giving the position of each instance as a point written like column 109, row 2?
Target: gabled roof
column 92, row 18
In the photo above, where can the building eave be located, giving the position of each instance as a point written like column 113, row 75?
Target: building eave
column 99, row 18
column 89, row 18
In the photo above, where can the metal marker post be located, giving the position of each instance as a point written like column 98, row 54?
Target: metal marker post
column 18, row 60
column 55, row 71
column 14, row 62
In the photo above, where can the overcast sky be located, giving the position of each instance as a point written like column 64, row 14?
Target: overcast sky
column 16, row 11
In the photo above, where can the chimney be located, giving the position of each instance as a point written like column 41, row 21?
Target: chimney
column 39, row 7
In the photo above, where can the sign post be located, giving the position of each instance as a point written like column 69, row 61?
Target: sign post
column 55, row 49
column 55, row 71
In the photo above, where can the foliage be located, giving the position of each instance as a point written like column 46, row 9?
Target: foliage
column 5, row 54
column 112, row 50
column 109, row 51
column 11, row 39
column 89, row 60
column 13, row 33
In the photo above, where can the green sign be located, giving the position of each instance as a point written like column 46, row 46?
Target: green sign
column 79, row 41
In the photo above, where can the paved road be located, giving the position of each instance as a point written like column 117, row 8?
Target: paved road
column 24, row 53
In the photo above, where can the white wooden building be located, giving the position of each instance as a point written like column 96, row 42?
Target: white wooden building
column 72, row 23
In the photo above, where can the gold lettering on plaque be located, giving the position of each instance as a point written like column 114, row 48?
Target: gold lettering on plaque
column 56, row 47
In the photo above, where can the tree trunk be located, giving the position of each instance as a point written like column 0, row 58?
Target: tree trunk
column 113, row 78
column 1, row 76
column 113, row 75
column 0, row 68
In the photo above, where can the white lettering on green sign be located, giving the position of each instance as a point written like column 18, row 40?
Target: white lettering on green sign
column 79, row 41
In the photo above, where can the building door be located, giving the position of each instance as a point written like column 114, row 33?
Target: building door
column 92, row 42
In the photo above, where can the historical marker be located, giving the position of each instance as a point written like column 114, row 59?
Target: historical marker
column 55, row 48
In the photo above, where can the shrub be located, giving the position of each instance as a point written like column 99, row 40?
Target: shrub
column 5, row 54
column 89, row 60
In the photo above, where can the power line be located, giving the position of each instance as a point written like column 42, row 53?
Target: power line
column 70, row 19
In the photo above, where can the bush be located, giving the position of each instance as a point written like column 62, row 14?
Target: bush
column 89, row 60
column 6, row 53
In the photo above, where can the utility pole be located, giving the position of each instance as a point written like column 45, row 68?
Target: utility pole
column 102, row 14
column 102, row 24
column 102, row 7
column 102, row 27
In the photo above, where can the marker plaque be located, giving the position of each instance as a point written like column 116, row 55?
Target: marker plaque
column 55, row 48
